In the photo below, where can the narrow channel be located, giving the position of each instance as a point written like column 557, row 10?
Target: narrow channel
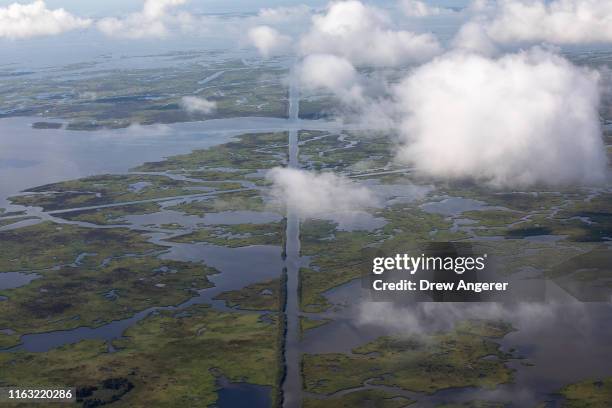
column 292, row 384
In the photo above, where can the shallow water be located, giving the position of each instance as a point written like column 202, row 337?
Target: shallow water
column 238, row 268
column 241, row 217
column 194, row 221
column 33, row 157
column 292, row 384
column 344, row 332
column 566, row 342
column 355, row 221
column 12, row 280
column 243, row 395
column 575, row 346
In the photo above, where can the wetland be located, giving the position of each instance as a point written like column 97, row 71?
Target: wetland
column 148, row 265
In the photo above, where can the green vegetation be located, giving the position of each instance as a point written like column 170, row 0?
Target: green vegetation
column 166, row 360
column 318, row 108
column 475, row 404
column 88, row 277
column 4, row 213
column 258, row 296
column 307, row 323
column 344, row 152
column 234, row 236
column 171, row 226
column 281, row 331
column 495, row 329
column 100, row 98
column 47, row 125
column 588, row 394
column 583, row 220
column 364, row 398
column 583, row 270
column 218, row 175
column 92, row 276
column 111, row 215
column 493, row 218
column 590, row 266
column 338, row 257
column 236, row 201
column 578, row 219
column 525, row 201
column 564, row 213
column 250, row 151
column 46, row 245
column 91, row 295
column 421, row 364
column 8, row 339
column 408, row 225
column 10, row 221
column 314, row 283
column 251, row 92
column 107, row 189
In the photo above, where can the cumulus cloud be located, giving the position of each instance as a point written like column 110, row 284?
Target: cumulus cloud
column 556, row 22
column 363, row 35
column 519, row 120
column 151, row 21
column 332, row 73
column 363, row 99
column 284, row 14
column 318, row 194
column 473, row 36
column 193, row 104
column 416, row 8
column 35, row 19
column 480, row 5
column 268, row 40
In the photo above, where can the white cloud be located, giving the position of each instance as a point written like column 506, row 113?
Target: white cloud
column 556, row 22
column 363, row 35
column 319, row 194
column 284, row 14
column 472, row 36
column 479, row 6
column 151, row 21
column 519, row 120
column 332, row 73
column 268, row 40
column 364, row 99
column 155, row 9
column 193, row 104
column 35, row 19
column 416, row 8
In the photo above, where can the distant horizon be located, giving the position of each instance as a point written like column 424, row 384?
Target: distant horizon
column 114, row 7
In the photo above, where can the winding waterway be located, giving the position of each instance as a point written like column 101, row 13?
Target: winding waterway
column 68, row 154
column 84, row 157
